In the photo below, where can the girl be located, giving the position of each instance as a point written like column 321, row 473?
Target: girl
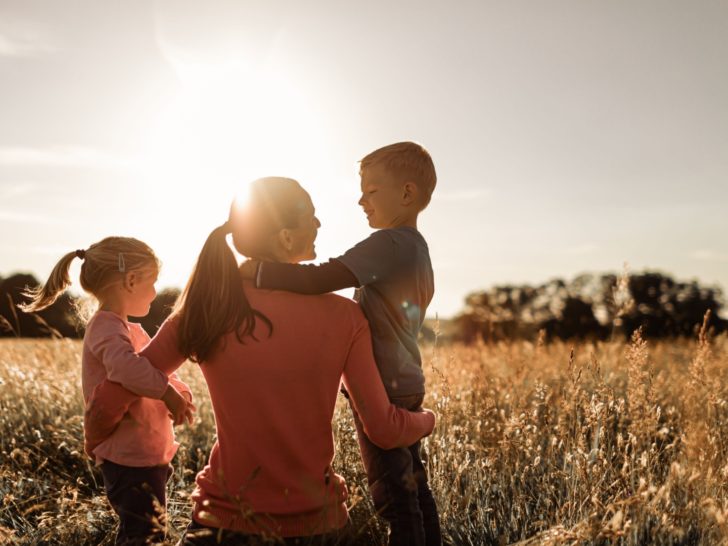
column 120, row 272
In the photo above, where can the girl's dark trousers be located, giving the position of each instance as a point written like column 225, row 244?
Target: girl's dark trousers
column 138, row 496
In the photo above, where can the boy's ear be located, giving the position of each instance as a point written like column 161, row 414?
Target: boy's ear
column 409, row 193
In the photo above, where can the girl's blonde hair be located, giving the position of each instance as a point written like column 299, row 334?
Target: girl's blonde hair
column 103, row 263
column 214, row 303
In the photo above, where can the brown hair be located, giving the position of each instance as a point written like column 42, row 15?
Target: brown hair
column 409, row 162
column 103, row 262
column 214, row 303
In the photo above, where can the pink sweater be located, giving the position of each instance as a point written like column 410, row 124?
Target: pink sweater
column 270, row 469
column 144, row 435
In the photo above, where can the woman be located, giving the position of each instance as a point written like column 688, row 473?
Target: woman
column 273, row 362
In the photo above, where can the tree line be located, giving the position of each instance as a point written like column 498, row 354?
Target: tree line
column 594, row 306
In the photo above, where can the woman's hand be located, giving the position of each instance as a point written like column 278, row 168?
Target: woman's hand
column 434, row 419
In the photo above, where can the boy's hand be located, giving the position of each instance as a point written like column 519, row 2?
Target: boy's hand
column 249, row 269
column 176, row 404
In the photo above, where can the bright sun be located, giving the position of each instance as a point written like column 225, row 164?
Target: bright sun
column 228, row 125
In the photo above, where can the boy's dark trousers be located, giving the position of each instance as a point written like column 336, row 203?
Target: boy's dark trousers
column 138, row 496
column 398, row 485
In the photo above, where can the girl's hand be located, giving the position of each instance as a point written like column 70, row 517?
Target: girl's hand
column 190, row 409
column 176, row 404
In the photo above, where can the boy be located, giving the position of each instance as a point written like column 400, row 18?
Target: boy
column 392, row 272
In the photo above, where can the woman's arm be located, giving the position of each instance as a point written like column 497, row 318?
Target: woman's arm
column 384, row 423
column 110, row 401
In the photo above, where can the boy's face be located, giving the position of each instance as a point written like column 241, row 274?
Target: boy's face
column 381, row 197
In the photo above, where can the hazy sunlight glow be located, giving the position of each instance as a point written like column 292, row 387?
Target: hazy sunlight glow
column 229, row 124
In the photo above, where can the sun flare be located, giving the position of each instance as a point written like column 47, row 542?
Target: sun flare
column 229, row 124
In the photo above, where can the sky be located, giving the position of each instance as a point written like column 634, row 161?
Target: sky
column 568, row 136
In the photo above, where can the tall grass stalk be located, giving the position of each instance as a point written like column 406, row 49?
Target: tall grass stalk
column 591, row 443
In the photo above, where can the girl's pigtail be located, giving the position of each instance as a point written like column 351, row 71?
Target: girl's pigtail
column 44, row 296
column 213, row 303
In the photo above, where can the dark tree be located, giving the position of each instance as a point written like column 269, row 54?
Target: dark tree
column 663, row 307
column 591, row 306
column 62, row 319
column 58, row 320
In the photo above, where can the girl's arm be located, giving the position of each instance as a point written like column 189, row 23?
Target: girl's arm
column 110, row 401
column 384, row 423
column 110, row 342
column 181, row 387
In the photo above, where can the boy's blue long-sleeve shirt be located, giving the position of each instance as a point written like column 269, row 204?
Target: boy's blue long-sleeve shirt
column 392, row 272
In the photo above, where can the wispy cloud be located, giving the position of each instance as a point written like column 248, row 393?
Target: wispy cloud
column 708, row 255
column 50, row 250
column 22, row 218
column 440, row 265
column 583, row 248
column 24, row 41
column 60, row 157
column 54, row 219
column 462, row 195
column 11, row 190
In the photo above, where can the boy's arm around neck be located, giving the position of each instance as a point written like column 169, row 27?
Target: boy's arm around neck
column 305, row 279
column 384, row 423
column 376, row 258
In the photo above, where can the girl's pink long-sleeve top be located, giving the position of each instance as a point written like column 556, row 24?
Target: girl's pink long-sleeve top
column 144, row 435
column 270, row 469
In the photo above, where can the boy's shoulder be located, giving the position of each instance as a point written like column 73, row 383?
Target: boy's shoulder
column 391, row 240
column 402, row 232
column 386, row 254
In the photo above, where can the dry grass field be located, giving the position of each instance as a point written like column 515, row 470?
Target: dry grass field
column 604, row 443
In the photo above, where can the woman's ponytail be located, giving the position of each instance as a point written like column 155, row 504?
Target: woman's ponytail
column 214, row 303
column 44, row 296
